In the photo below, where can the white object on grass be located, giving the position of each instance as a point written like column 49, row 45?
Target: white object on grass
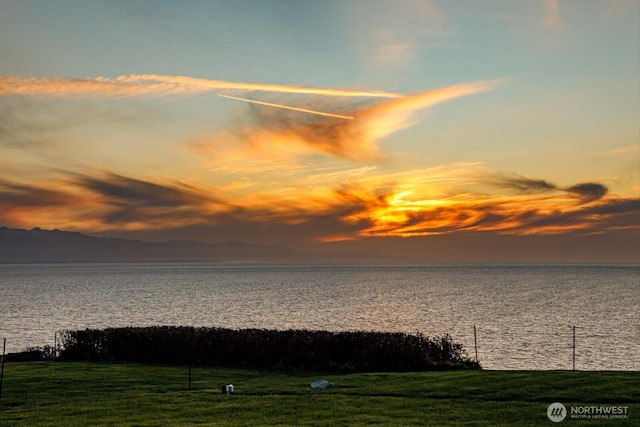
column 322, row 384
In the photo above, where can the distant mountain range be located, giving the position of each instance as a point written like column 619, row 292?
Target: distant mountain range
column 55, row 246
column 40, row 246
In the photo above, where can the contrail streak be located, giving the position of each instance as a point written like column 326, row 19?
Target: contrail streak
column 303, row 110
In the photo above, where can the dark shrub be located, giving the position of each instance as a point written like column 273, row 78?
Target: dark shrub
column 263, row 348
column 31, row 354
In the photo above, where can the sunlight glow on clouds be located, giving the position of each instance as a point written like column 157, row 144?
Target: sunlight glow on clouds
column 293, row 142
column 272, row 128
column 268, row 151
column 374, row 205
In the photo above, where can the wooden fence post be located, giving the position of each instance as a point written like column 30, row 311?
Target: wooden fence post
column 475, row 342
column 574, row 348
column 4, row 347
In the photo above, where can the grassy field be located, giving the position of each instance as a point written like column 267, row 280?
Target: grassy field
column 94, row 394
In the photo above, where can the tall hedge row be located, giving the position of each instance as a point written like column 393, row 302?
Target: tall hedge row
column 262, row 348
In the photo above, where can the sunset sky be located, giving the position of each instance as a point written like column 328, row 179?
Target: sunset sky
column 435, row 130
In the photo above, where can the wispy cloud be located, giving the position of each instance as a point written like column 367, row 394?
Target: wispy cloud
column 269, row 128
column 387, row 117
column 524, row 185
column 392, row 36
column 552, row 14
column 21, row 195
column 327, row 202
column 356, row 208
column 157, row 85
column 585, row 192
column 620, row 151
column 588, row 191
column 338, row 122
column 32, row 204
column 400, row 215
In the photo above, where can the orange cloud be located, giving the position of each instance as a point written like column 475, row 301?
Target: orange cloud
column 395, row 214
column 327, row 212
column 539, row 207
column 347, row 129
column 270, row 128
column 156, row 85
column 387, row 117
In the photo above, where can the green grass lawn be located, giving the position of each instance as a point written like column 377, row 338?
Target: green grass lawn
column 95, row 394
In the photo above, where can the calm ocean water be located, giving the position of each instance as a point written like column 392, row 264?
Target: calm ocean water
column 523, row 314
